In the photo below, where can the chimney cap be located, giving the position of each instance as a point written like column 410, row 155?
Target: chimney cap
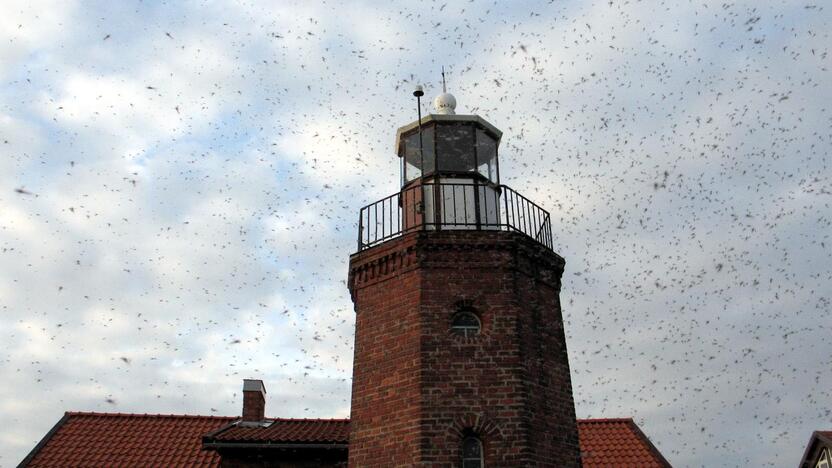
column 254, row 385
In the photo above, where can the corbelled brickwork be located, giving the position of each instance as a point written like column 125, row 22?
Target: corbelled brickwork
column 418, row 388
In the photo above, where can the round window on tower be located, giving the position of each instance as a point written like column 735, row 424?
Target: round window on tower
column 465, row 323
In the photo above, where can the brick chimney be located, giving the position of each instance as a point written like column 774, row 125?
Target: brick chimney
column 254, row 400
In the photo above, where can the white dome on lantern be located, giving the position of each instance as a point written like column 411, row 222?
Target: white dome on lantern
column 445, row 104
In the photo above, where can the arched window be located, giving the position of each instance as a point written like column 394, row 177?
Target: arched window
column 465, row 323
column 472, row 452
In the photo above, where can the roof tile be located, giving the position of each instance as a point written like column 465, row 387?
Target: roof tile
column 336, row 431
column 616, row 442
column 140, row 440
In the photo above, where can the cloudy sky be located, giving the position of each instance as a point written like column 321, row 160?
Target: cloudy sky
column 180, row 184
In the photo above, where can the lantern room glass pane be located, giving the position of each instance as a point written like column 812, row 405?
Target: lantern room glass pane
column 412, row 156
column 455, row 147
column 487, row 155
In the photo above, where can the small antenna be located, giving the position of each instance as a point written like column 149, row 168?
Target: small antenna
column 419, row 92
column 444, row 88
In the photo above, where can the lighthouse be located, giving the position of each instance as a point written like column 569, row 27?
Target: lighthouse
column 460, row 352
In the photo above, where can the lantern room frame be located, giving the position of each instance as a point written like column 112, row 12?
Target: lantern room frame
column 431, row 150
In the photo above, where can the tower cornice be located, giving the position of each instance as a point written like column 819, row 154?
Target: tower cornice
column 419, row 249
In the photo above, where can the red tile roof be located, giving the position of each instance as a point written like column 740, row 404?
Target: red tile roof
column 616, row 442
column 333, row 431
column 97, row 439
column 127, row 440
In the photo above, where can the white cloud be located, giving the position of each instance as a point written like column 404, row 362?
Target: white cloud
column 163, row 236
column 28, row 26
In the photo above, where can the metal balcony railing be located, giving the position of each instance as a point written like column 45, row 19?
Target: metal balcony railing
column 452, row 206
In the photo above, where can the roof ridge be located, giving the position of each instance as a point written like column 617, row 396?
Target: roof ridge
column 200, row 416
column 604, row 420
column 148, row 415
column 311, row 419
column 649, row 443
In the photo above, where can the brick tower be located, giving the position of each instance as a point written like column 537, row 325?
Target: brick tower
column 460, row 354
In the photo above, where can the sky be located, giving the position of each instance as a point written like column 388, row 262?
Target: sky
column 180, row 185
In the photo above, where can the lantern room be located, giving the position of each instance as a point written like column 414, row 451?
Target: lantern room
column 444, row 144
column 450, row 174
column 450, row 180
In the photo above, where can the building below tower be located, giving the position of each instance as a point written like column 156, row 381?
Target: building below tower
column 143, row 440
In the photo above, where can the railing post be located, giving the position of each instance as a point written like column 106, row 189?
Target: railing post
column 423, row 206
column 542, row 230
column 476, row 205
column 360, row 228
column 505, row 203
column 438, row 214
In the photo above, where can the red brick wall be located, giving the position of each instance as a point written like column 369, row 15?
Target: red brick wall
column 254, row 406
column 386, row 378
column 417, row 388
